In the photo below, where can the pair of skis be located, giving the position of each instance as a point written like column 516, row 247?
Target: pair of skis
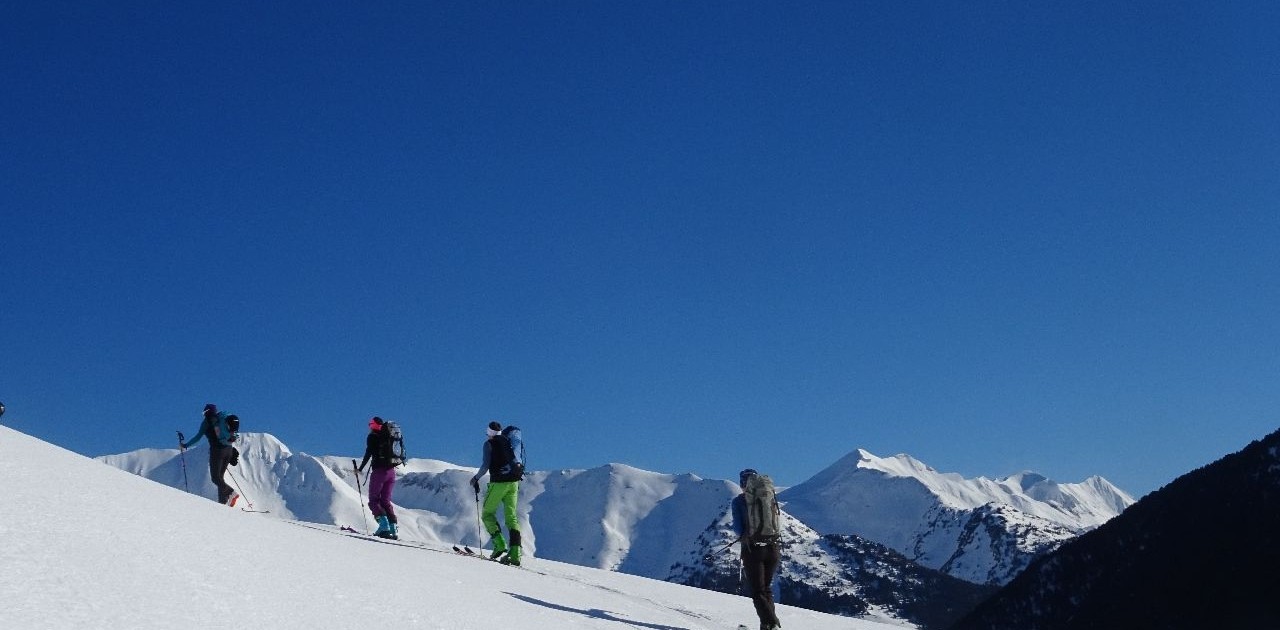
column 467, row 551
column 359, row 535
column 250, row 509
column 351, row 530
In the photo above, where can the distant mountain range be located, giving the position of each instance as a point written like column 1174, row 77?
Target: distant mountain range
column 885, row 539
column 980, row 530
column 1202, row 552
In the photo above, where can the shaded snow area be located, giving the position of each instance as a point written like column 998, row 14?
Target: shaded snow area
column 86, row 545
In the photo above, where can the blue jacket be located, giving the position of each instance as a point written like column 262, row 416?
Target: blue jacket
column 215, row 428
column 739, row 509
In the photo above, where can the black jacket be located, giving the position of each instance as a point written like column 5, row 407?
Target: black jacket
column 378, row 448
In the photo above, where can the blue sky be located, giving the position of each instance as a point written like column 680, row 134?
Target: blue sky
column 690, row 237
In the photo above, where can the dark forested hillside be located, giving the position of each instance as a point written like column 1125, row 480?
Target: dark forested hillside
column 1202, row 552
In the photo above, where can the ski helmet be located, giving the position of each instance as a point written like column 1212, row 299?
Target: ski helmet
column 1, row 409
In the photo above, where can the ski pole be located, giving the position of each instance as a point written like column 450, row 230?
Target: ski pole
column 479, row 536
column 233, row 480
column 182, row 454
column 722, row 549
column 360, row 493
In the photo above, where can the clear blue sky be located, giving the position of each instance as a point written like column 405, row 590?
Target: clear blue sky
column 685, row 236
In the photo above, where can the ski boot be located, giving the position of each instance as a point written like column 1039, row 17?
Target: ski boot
column 384, row 526
column 499, row 547
column 513, row 556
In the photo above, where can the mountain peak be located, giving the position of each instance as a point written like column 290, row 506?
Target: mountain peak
column 929, row 515
column 264, row 445
column 1026, row 480
column 900, row 465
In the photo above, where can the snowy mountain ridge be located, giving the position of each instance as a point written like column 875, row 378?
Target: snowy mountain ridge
column 1082, row 506
column 979, row 529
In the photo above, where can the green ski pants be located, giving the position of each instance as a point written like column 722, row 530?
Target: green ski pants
column 504, row 493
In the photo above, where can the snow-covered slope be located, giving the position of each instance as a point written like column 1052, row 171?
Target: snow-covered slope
column 90, row 546
column 980, row 530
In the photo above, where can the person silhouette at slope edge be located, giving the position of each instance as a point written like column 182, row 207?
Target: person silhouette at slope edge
column 214, row 427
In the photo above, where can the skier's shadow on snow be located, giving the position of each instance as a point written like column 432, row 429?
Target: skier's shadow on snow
column 595, row 613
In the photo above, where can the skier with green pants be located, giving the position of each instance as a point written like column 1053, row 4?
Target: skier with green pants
column 505, row 470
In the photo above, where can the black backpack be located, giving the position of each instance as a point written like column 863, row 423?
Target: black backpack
column 393, row 443
column 510, row 454
column 233, row 425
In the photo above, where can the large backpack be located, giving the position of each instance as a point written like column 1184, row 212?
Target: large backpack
column 512, row 454
column 233, row 427
column 222, row 425
column 393, row 443
column 762, row 509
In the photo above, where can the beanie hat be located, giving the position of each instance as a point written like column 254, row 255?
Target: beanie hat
column 494, row 426
column 746, row 474
column 375, row 423
column 210, row 408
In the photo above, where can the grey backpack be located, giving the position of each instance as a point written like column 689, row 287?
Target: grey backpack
column 762, row 509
